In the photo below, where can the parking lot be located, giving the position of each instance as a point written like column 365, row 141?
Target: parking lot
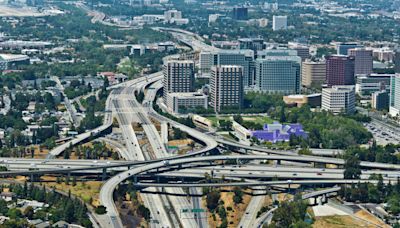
column 382, row 134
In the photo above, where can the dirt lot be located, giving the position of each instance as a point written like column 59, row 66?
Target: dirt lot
column 87, row 191
column 339, row 221
column 233, row 216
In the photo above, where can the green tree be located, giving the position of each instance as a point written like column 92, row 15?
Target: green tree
column 352, row 169
column 212, row 199
column 28, row 212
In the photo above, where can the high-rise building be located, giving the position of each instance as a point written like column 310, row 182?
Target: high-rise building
column 363, row 60
column 380, row 100
column 396, row 61
column 394, row 108
column 243, row 58
column 178, row 77
column 313, row 73
column 339, row 99
column 240, row 13
column 226, row 88
column 340, row 70
column 278, row 74
column 279, row 23
column 343, row 48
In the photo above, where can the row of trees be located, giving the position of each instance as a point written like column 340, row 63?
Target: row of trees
column 370, row 193
column 290, row 214
column 375, row 153
column 60, row 207
column 96, row 151
column 325, row 129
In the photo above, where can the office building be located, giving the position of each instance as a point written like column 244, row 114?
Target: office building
column 178, row 77
column 363, row 60
column 255, row 44
column 396, row 61
column 172, row 14
column 339, row 99
column 303, row 51
column 276, row 52
column 240, row 13
column 340, row 70
column 343, row 48
column 313, row 73
column 279, row 23
column 278, row 74
column 12, row 61
column 270, row 6
column 368, row 84
column 186, row 102
column 394, row 108
column 226, row 87
column 380, row 100
column 243, row 58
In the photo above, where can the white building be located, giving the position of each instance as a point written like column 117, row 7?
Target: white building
column 279, row 23
column 212, row 18
column 10, row 61
column 242, row 132
column 172, row 14
column 339, row 99
column 262, row 22
column 181, row 102
column 166, row 46
column 138, row 49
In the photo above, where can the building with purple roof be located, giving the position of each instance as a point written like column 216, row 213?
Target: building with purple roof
column 277, row 132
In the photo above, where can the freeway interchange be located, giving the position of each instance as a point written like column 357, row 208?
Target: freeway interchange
column 155, row 169
column 140, row 163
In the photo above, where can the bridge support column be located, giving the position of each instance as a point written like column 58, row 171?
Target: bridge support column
column 158, row 179
column 135, row 179
column 104, row 174
column 324, row 199
column 32, row 178
column 237, row 161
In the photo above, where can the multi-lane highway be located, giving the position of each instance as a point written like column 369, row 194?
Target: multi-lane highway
column 128, row 112
column 155, row 161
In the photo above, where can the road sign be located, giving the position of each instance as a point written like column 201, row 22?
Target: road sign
column 198, row 210
column 193, row 210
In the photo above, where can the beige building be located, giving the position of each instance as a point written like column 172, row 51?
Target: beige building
column 186, row 102
column 298, row 100
column 339, row 99
column 313, row 73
